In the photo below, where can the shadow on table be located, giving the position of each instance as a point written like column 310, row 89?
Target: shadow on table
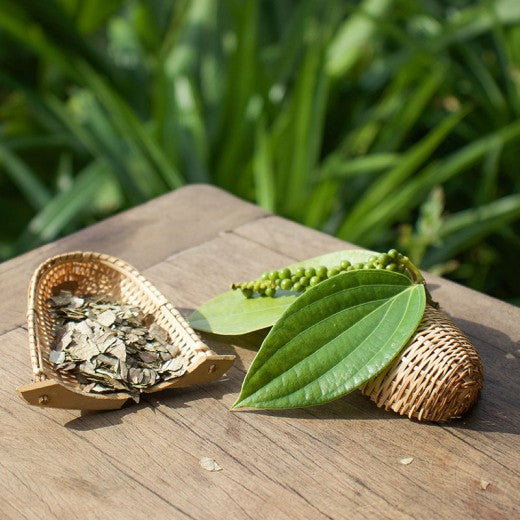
column 353, row 407
column 496, row 411
column 175, row 398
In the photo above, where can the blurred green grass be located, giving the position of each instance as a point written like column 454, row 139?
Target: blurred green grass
column 384, row 122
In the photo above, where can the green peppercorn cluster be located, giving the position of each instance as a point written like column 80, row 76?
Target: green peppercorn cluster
column 302, row 278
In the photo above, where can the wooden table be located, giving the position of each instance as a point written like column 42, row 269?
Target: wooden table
column 341, row 460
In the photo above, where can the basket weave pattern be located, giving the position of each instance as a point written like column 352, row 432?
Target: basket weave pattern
column 96, row 274
column 437, row 377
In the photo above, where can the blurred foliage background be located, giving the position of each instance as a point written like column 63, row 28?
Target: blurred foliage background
column 388, row 123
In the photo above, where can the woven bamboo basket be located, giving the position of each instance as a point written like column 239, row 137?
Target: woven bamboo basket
column 87, row 274
column 437, row 377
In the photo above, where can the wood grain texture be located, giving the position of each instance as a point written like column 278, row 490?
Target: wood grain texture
column 340, row 460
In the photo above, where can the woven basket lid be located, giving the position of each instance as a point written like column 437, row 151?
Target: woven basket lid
column 437, row 377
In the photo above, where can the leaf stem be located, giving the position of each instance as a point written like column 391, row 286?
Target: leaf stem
column 418, row 278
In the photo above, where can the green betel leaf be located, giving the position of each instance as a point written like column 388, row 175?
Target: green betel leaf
column 334, row 338
column 231, row 314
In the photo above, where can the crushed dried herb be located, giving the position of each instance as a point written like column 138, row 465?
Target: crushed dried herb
column 111, row 346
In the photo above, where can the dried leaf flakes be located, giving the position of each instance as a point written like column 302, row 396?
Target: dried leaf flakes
column 111, row 347
column 209, row 464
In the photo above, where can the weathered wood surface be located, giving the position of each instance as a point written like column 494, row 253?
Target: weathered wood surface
column 340, row 460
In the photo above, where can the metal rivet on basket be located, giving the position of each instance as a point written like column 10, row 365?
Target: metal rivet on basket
column 43, row 399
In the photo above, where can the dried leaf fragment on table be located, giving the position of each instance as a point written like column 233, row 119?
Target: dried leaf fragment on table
column 484, row 484
column 209, row 464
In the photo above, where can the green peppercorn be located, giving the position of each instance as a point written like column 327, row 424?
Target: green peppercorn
column 273, row 275
column 310, row 272
column 322, row 271
column 393, row 253
column 286, row 284
column 248, row 293
column 299, row 272
column 391, row 267
column 270, row 292
column 345, row 265
column 385, row 259
column 295, row 278
column 285, row 273
column 297, row 287
column 304, row 281
column 334, row 271
column 314, row 281
column 265, row 276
